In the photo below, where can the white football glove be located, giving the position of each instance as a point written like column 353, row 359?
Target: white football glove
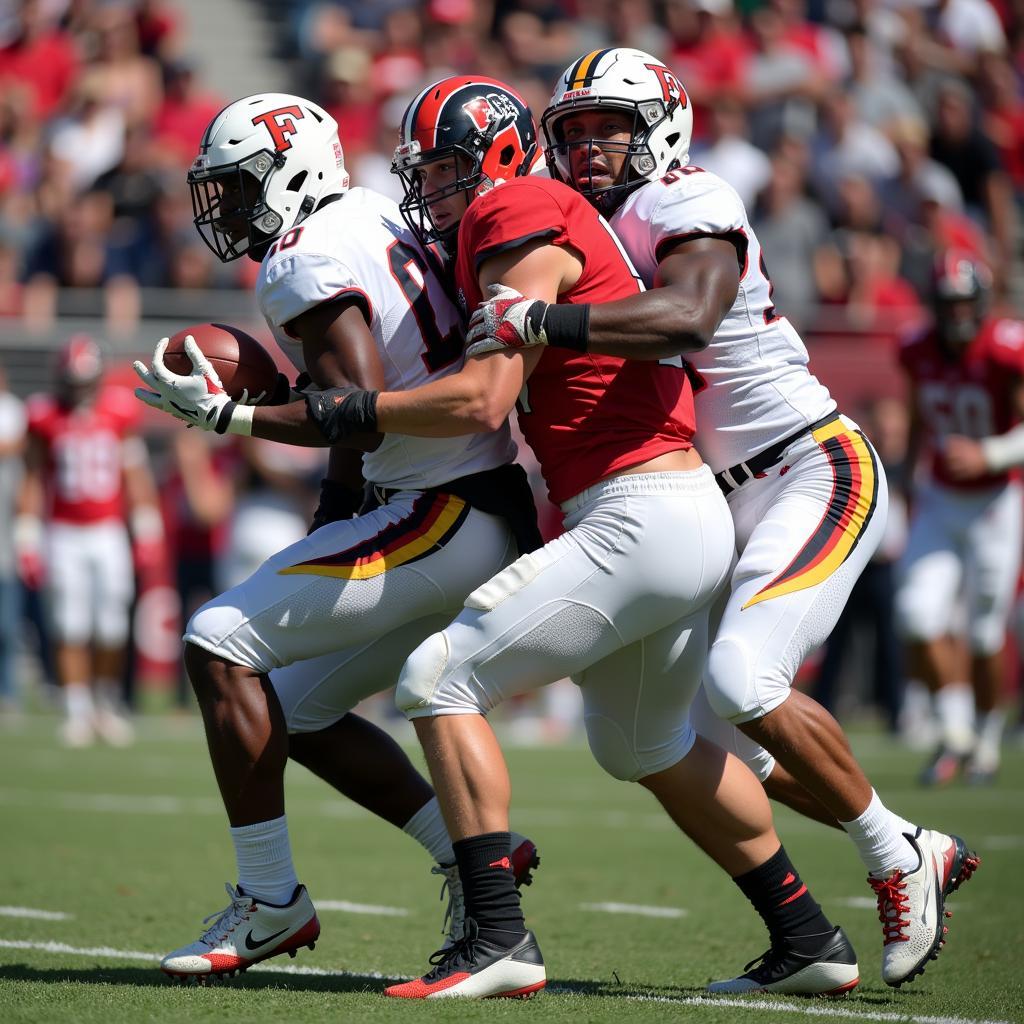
column 198, row 399
column 507, row 320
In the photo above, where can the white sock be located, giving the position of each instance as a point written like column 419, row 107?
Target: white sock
column 263, row 853
column 955, row 707
column 78, row 700
column 427, row 827
column 989, row 726
column 108, row 695
column 878, row 836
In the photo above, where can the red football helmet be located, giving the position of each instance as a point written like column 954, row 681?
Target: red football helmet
column 79, row 363
column 480, row 120
column 959, row 292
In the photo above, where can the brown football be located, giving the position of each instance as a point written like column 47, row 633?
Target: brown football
column 241, row 362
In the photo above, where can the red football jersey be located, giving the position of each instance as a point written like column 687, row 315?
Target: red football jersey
column 585, row 416
column 972, row 396
column 84, row 453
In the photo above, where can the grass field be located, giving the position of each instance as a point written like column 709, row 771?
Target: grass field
column 110, row 858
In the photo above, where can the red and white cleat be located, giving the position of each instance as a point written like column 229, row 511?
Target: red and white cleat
column 912, row 906
column 245, row 932
column 475, row 969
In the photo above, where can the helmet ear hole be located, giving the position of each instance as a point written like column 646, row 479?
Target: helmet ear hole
column 507, row 156
column 296, row 182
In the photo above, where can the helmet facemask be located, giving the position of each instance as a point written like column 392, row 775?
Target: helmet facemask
column 640, row 161
column 467, row 179
column 244, row 223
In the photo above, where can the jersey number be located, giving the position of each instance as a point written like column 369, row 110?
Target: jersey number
column 409, row 269
column 964, row 409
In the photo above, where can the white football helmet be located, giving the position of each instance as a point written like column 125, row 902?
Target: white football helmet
column 264, row 164
column 627, row 80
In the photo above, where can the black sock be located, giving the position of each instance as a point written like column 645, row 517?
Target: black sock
column 492, row 899
column 785, row 904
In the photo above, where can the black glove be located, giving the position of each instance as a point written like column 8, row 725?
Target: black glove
column 336, row 502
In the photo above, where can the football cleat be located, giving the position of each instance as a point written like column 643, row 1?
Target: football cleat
column 912, row 906
column 476, row 969
column 524, row 858
column 245, row 932
column 113, row 728
column 76, row 733
column 830, row 970
column 943, row 768
column 983, row 765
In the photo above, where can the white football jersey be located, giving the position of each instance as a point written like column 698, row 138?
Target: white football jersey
column 757, row 389
column 358, row 245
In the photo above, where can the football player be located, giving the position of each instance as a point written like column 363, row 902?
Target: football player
column 617, row 602
column 805, row 488
column 967, row 391
column 87, row 481
column 350, row 299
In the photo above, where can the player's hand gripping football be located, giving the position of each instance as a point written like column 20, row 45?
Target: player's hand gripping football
column 507, row 320
column 198, row 399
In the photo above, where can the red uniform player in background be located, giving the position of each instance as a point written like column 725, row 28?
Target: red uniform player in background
column 959, row 572
column 87, row 477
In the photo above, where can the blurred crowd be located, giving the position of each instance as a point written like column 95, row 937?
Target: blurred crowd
column 862, row 134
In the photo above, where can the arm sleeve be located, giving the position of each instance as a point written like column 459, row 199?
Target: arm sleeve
column 294, row 284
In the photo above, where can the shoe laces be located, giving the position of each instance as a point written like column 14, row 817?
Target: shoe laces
column 767, row 963
column 893, row 906
column 227, row 920
column 455, row 913
column 461, row 953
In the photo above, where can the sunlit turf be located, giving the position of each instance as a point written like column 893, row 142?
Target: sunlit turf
column 131, row 846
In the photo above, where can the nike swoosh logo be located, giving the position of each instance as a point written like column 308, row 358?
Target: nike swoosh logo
column 249, row 944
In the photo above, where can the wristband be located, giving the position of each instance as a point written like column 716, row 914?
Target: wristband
column 1004, row 451
column 147, row 523
column 341, row 412
column 235, row 419
column 567, row 326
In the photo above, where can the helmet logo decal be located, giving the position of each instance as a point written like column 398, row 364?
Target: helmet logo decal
column 281, row 124
column 494, row 108
column 671, row 87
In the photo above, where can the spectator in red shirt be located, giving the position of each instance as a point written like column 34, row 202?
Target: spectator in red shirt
column 41, row 60
column 183, row 115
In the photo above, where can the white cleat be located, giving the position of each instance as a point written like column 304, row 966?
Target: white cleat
column 113, row 728
column 524, row 858
column 912, row 906
column 76, row 733
column 245, row 932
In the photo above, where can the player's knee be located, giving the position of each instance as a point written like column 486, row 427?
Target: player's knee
column 728, row 679
column 419, row 693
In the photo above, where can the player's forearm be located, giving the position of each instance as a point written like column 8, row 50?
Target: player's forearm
column 446, row 408
column 288, row 424
column 656, row 324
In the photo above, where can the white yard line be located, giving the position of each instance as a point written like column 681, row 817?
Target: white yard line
column 108, row 953
column 634, row 908
column 361, row 908
column 808, row 1009
column 37, row 915
column 812, row 1010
